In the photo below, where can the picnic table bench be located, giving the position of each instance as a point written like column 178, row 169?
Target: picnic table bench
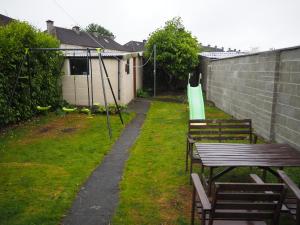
column 237, row 203
column 216, row 130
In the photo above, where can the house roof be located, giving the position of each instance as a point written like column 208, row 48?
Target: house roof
column 220, row 55
column 135, row 46
column 81, row 38
column 4, row 20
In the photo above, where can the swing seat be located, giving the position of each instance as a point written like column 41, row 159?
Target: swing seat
column 69, row 109
column 87, row 111
column 43, row 108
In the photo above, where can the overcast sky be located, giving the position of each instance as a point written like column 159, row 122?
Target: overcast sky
column 240, row 24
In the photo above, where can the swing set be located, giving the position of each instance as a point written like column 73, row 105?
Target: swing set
column 89, row 80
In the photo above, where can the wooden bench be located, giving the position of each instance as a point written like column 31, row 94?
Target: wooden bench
column 218, row 130
column 291, row 203
column 237, row 203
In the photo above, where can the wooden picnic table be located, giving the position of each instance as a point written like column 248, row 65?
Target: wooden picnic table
column 231, row 156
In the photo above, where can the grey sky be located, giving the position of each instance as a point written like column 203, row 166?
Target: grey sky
column 239, row 24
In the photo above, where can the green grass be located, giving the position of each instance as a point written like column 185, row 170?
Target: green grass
column 155, row 188
column 42, row 167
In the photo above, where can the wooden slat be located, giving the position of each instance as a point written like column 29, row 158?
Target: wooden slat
column 252, row 187
column 291, row 185
column 216, row 126
column 246, row 205
column 223, row 138
column 200, row 192
column 244, row 215
column 221, row 121
column 249, row 196
column 202, row 132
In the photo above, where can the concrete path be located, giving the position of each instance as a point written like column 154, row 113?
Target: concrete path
column 98, row 198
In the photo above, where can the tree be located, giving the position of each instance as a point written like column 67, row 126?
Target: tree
column 96, row 28
column 19, row 98
column 177, row 50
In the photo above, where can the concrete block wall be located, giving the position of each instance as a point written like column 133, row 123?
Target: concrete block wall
column 287, row 109
column 264, row 87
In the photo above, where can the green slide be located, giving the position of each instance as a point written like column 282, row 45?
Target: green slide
column 196, row 103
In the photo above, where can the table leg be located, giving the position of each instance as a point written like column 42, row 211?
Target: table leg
column 211, row 173
column 264, row 174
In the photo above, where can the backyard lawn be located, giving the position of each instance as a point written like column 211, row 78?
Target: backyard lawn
column 43, row 164
column 155, row 188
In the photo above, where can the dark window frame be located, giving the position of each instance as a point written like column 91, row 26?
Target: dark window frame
column 127, row 66
column 78, row 66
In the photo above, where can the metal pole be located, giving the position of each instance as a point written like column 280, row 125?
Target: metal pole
column 75, row 94
column 104, row 95
column 29, row 81
column 17, row 78
column 92, row 88
column 154, row 71
column 87, row 77
column 112, row 91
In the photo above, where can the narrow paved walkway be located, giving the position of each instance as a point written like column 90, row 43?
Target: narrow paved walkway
column 98, row 198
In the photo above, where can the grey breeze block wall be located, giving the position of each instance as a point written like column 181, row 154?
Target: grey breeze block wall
column 264, row 87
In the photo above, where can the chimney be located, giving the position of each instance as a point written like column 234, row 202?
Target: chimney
column 76, row 29
column 94, row 33
column 222, row 49
column 216, row 47
column 229, row 50
column 234, row 50
column 144, row 41
column 50, row 26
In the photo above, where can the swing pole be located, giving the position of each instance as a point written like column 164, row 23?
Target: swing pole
column 29, row 81
column 87, row 77
column 91, row 70
column 104, row 94
column 75, row 94
column 18, row 75
column 112, row 91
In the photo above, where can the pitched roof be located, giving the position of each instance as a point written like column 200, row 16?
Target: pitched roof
column 81, row 38
column 135, row 46
column 4, row 20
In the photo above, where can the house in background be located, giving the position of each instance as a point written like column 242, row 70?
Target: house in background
column 135, row 46
column 4, row 20
column 123, row 67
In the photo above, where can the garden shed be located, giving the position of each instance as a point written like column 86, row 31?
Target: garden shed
column 123, row 67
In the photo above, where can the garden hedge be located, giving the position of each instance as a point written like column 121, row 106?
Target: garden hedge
column 17, row 100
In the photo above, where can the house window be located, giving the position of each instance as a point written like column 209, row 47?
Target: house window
column 127, row 67
column 78, row 66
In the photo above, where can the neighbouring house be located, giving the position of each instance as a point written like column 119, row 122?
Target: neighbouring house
column 135, row 46
column 4, row 20
column 123, row 67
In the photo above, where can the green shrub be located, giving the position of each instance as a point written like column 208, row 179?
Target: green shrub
column 16, row 102
column 112, row 108
column 142, row 94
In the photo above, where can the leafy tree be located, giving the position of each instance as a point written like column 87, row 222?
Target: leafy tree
column 177, row 50
column 16, row 102
column 93, row 27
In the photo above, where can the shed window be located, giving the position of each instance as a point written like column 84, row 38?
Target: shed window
column 78, row 66
column 127, row 68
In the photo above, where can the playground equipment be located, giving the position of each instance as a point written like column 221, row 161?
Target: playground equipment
column 196, row 103
column 103, row 71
